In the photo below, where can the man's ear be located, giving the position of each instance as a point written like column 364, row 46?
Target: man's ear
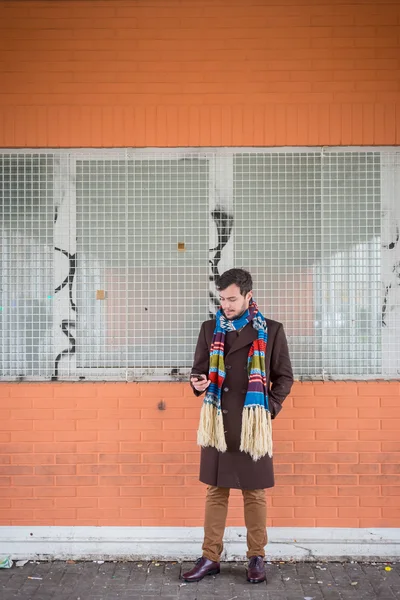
column 249, row 295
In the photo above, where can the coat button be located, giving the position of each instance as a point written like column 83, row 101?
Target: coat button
column 228, row 366
column 226, row 389
column 244, row 391
column 224, row 411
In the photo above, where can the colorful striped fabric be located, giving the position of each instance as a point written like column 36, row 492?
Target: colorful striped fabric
column 256, row 434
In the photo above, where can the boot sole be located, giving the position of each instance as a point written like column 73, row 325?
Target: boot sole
column 215, row 572
column 256, row 580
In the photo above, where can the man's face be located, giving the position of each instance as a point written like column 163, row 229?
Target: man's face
column 232, row 302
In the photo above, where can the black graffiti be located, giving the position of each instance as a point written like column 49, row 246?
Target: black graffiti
column 384, row 305
column 70, row 277
column 224, row 223
column 393, row 245
column 65, row 325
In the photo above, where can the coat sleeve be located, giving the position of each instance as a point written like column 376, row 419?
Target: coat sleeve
column 201, row 362
column 281, row 375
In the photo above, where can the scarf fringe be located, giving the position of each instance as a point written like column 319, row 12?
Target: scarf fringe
column 211, row 428
column 256, row 436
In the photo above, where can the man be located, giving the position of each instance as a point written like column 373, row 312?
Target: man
column 242, row 363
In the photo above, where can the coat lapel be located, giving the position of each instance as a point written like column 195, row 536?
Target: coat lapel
column 245, row 338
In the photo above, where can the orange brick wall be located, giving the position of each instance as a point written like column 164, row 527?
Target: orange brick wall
column 104, row 454
column 196, row 73
column 199, row 73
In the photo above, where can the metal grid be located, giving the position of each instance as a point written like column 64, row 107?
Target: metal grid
column 26, row 265
column 108, row 258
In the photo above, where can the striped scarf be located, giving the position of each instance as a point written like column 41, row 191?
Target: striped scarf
column 256, row 434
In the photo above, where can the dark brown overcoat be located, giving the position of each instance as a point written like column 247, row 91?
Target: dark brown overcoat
column 235, row 469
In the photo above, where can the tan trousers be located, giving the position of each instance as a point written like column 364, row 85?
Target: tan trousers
column 255, row 518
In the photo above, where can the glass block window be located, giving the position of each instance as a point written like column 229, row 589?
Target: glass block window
column 109, row 257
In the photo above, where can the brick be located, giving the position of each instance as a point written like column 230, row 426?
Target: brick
column 77, row 502
column 315, row 424
column 101, row 424
column 390, row 469
column 295, row 522
column 161, row 390
column 29, row 390
column 143, row 491
column 294, row 457
column 23, row 425
column 348, row 490
column 336, row 457
column 17, row 492
column 391, row 424
column 314, row 402
column 315, row 468
column 390, row 446
column 164, row 436
column 52, row 447
column 336, row 413
column 76, row 436
column 33, row 459
column 358, row 402
column 101, row 491
column 143, row 513
column 168, row 413
column 359, row 446
column 88, row 447
column 336, row 480
column 97, row 469
column 38, row 480
column 334, row 388
column 315, row 490
column 54, row 425
column 380, row 389
column 380, row 479
column 118, row 502
column 358, row 469
column 75, row 480
column 355, row 424
column 389, row 402
column 338, row 501
column 75, row 390
column 113, row 480
column 141, row 424
column 378, row 435
column 31, row 413
column 32, row 436
column 128, row 435
column 315, row 446
column 119, row 458
column 16, row 470
column 380, row 501
column 74, row 413
column 339, row 522
column 55, row 470
column 54, row 492
column 337, row 435
column 75, row 459
column 148, row 469
column 163, row 458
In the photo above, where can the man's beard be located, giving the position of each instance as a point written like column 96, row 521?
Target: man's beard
column 233, row 317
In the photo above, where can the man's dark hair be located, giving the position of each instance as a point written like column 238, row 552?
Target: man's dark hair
column 240, row 277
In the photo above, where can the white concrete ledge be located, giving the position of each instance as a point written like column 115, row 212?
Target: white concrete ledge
column 184, row 543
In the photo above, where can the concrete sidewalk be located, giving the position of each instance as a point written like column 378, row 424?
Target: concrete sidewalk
column 160, row 580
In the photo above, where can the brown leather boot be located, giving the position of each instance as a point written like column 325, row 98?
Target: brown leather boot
column 203, row 567
column 256, row 570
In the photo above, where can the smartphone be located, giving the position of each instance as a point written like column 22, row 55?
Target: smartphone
column 197, row 376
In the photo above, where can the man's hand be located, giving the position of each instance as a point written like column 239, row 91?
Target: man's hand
column 200, row 385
